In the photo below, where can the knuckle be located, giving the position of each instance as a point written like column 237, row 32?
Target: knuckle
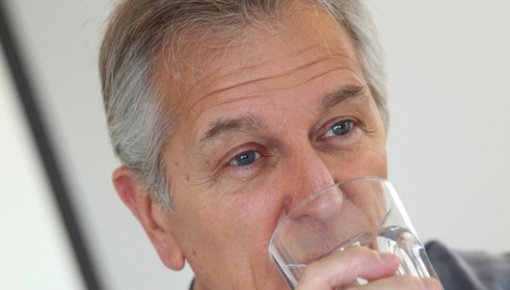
column 311, row 270
column 312, row 274
column 362, row 252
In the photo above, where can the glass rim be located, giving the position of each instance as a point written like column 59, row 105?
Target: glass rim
column 313, row 196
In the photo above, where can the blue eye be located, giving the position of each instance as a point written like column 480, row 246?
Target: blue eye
column 245, row 158
column 340, row 128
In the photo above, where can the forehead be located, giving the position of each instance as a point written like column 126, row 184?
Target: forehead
column 216, row 70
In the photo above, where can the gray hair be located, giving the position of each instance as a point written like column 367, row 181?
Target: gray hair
column 140, row 30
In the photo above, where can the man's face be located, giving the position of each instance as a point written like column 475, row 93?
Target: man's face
column 265, row 123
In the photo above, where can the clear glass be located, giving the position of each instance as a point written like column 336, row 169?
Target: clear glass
column 363, row 211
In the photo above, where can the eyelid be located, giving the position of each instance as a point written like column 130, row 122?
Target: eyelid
column 233, row 159
column 327, row 126
column 240, row 150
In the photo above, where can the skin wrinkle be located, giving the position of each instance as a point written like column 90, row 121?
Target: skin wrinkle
column 192, row 44
column 327, row 100
column 222, row 125
column 296, row 52
column 227, row 215
column 246, row 124
column 317, row 15
column 275, row 33
column 276, row 89
column 214, row 176
column 275, row 76
column 191, row 19
column 243, row 69
column 217, row 46
column 337, row 97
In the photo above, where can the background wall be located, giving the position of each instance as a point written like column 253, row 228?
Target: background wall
column 448, row 143
column 449, row 139
column 33, row 244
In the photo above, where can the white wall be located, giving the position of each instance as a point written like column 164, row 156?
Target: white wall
column 449, row 142
column 34, row 249
column 447, row 62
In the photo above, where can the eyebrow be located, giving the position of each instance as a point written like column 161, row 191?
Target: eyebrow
column 249, row 123
column 341, row 95
column 224, row 126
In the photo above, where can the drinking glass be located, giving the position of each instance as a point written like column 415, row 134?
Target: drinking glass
column 362, row 211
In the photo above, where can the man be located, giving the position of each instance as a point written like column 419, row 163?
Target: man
column 225, row 114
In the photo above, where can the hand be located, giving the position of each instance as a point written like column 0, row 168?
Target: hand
column 340, row 270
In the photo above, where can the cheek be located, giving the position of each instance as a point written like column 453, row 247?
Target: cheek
column 219, row 224
column 366, row 159
column 371, row 158
column 252, row 216
column 374, row 157
column 232, row 233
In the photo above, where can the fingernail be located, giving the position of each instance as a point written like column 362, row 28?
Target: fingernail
column 387, row 257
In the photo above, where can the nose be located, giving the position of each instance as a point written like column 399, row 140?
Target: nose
column 312, row 185
column 322, row 206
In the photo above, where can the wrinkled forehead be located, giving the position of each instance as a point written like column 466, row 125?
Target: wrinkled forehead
column 196, row 60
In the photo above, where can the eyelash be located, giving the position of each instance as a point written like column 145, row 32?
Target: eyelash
column 237, row 169
column 250, row 166
column 354, row 125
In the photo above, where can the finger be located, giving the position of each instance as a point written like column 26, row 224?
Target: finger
column 405, row 282
column 342, row 268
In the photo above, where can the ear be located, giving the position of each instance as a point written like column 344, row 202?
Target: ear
column 155, row 220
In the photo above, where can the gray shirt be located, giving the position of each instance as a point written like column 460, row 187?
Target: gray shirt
column 469, row 270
